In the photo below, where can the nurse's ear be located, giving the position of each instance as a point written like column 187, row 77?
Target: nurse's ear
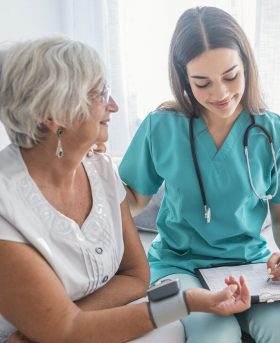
column 189, row 92
column 185, row 82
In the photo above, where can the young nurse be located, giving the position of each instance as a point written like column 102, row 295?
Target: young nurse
column 215, row 200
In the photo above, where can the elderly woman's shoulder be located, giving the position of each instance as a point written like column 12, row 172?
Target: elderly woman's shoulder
column 9, row 161
column 102, row 168
column 102, row 163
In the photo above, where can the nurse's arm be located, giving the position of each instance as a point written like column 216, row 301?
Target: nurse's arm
column 275, row 222
column 136, row 201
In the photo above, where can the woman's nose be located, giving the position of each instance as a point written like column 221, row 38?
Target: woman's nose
column 219, row 92
column 112, row 105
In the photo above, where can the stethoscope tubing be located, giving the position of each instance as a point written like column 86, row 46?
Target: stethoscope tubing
column 207, row 210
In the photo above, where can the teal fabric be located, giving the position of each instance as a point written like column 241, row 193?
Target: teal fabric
column 261, row 321
column 199, row 326
column 160, row 152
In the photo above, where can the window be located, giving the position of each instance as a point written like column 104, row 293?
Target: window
column 133, row 37
column 145, row 33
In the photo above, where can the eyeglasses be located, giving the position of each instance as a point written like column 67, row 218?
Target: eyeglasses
column 106, row 93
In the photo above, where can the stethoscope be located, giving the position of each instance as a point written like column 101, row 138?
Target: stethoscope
column 207, row 210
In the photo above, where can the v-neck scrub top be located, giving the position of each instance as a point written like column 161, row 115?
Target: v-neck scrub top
column 160, row 152
column 84, row 258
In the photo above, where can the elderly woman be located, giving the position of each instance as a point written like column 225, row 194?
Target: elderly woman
column 71, row 259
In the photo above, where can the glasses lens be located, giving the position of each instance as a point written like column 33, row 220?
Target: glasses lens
column 106, row 94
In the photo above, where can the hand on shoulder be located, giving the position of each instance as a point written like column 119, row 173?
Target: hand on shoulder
column 18, row 337
column 97, row 147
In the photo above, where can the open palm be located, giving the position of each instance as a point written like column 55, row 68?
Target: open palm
column 233, row 299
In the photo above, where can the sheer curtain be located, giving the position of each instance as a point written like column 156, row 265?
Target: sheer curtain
column 268, row 50
column 133, row 38
column 97, row 23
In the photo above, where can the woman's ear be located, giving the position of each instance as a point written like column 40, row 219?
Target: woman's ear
column 51, row 125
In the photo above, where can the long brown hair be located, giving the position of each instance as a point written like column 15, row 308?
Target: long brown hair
column 200, row 29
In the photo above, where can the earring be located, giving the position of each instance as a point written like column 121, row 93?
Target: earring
column 59, row 151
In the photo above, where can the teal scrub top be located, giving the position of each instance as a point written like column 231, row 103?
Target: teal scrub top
column 160, row 153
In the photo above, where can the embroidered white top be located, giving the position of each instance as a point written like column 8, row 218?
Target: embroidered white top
column 84, row 258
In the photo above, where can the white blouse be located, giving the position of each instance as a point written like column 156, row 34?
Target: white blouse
column 84, row 258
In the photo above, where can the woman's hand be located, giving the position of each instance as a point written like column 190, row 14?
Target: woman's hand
column 233, row 299
column 273, row 266
column 18, row 337
column 97, row 147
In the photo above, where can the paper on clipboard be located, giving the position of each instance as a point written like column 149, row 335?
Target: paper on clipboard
column 255, row 275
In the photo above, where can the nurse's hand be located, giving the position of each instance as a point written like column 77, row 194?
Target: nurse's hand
column 18, row 337
column 233, row 299
column 97, row 147
column 273, row 266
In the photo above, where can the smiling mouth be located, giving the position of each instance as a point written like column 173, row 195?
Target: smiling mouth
column 105, row 122
column 222, row 104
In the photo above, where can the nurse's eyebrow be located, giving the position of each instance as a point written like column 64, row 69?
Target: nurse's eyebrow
column 205, row 77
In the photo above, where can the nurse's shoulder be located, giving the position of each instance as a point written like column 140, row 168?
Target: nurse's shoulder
column 268, row 119
column 271, row 122
column 167, row 119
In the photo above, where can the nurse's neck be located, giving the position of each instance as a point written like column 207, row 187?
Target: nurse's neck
column 220, row 124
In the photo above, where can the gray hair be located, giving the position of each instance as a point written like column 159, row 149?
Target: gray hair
column 53, row 78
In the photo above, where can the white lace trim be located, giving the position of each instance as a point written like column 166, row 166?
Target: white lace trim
column 60, row 224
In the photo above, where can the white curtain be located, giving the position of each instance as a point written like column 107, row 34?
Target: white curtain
column 97, row 23
column 133, row 37
column 268, row 50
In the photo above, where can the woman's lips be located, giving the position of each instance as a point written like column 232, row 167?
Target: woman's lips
column 221, row 104
column 105, row 122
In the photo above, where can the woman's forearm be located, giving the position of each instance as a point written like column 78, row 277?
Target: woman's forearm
column 120, row 290
column 120, row 324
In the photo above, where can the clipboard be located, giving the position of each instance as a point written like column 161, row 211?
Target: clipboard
column 255, row 274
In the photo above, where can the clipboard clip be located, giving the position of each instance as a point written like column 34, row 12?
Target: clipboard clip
column 268, row 297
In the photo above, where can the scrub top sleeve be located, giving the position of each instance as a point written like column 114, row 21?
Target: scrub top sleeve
column 9, row 233
column 137, row 168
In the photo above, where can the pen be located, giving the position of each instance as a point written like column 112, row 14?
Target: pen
column 276, row 266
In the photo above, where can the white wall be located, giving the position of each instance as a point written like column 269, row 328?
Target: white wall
column 27, row 19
